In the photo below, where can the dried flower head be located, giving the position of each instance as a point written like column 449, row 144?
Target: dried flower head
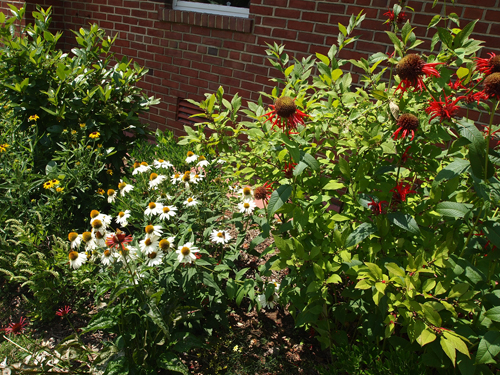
column 285, row 114
column 411, row 69
column 492, row 86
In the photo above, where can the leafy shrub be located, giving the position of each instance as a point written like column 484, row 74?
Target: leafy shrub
column 384, row 208
column 83, row 93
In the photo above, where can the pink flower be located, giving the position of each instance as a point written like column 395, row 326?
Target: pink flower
column 17, row 328
column 63, row 311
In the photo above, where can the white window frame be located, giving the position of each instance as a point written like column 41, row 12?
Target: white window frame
column 190, row 6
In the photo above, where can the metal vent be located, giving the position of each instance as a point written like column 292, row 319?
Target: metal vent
column 185, row 110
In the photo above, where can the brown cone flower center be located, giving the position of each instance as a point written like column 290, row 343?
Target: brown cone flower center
column 185, row 251
column 410, row 67
column 492, row 85
column 72, row 236
column 149, row 229
column 164, row 244
column 73, row 255
column 285, row 106
column 86, row 236
column 407, row 121
column 495, row 64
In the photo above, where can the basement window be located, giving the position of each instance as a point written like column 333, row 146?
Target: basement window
column 234, row 8
column 185, row 110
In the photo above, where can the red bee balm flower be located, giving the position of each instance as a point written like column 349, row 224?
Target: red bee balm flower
column 411, row 68
column 377, row 207
column 400, row 192
column 285, row 114
column 488, row 66
column 407, row 123
column 263, row 192
column 445, row 110
column 401, row 16
column 63, row 311
column 17, row 328
column 118, row 240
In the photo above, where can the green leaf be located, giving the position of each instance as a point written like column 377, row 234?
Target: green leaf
column 445, row 37
column 458, row 290
column 342, row 29
column 452, row 209
column 404, row 221
column 431, row 315
column 462, row 72
column 493, row 314
column 492, row 231
column 299, row 168
column 278, row 198
column 360, row 233
column 395, row 269
column 334, row 279
column 344, row 168
column 488, row 349
column 311, row 161
column 456, row 168
column 333, row 185
column 464, row 34
column 323, row 58
column 427, row 336
column 435, row 20
column 449, row 349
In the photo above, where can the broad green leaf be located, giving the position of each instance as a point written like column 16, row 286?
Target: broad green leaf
column 456, row 168
column 404, row 221
column 364, row 284
column 344, row 168
column 452, row 209
column 457, row 342
column 488, row 348
column 492, row 231
column 333, row 185
column 493, row 314
column 431, row 315
column 394, row 269
column 278, row 198
column 435, row 20
column 323, row 58
column 299, row 168
column 334, row 279
column 462, row 35
column 311, row 161
column 426, row 337
column 458, row 290
column 462, row 72
column 449, row 349
column 360, row 233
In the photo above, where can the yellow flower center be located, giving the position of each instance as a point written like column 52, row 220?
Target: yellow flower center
column 177, row 175
column 97, row 224
column 150, row 229
column 161, row 160
column 247, row 191
column 107, row 253
column 144, row 164
column 148, row 242
column 220, row 234
column 152, row 205
column 166, row 210
column 73, row 255
column 93, row 213
column 121, row 185
column 190, row 153
column 190, row 200
column 152, row 255
column 185, row 251
column 72, row 236
column 86, row 236
column 201, row 158
column 111, row 192
column 121, row 214
column 246, row 205
column 152, row 176
column 164, row 244
column 98, row 235
column 137, row 164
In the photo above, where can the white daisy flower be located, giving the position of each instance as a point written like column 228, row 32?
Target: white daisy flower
column 190, row 202
column 124, row 188
column 220, row 236
column 202, row 162
column 122, row 217
column 220, row 161
column 76, row 259
column 276, row 285
column 246, row 207
column 104, row 219
column 99, row 238
column 186, row 253
column 154, row 258
column 191, row 156
column 267, row 302
column 149, row 244
column 111, row 195
column 155, row 180
column 153, row 230
column 144, row 167
column 177, row 177
column 195, row 177
column 88, row 238
column 160, row 163
column 168, row 212
column 129, row 253
column 75, row 239
column 154, row 208
column 108, row 257
column 246, row 194
column 167, row 244
column 98, row 226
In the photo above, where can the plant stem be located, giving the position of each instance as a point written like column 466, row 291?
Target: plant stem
column 493, row 109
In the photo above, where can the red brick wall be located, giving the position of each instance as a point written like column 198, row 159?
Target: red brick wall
column 189, row 54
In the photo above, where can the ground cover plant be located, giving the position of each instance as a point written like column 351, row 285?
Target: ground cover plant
column 367, row 214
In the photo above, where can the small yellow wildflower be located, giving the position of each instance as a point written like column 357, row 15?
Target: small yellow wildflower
column 99, row 145
column 94, row 135
column 4, row 147
column 74, row 132
column 48, row 185
column 59, row 189
column 55, row 182
column 82, row 125
column 110, row 172
column 33, row 118
column 100, row 191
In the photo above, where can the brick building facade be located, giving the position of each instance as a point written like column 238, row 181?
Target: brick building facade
column 190, row 53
